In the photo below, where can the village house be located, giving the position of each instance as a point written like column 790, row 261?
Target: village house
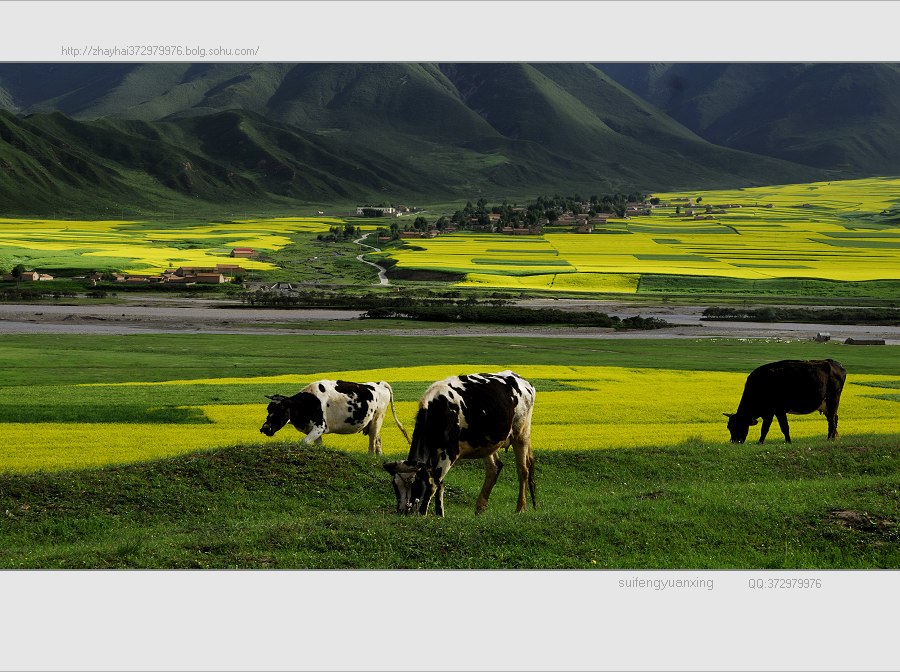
column 27, row 276
column 243, row 252
column 419, row 234
column 224, row 269
column 184, row 271
column 142, row 279
column 229, row 269
column 474, row 225
column 210, row 278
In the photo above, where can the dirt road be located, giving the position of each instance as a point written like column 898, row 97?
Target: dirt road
column 167, row 315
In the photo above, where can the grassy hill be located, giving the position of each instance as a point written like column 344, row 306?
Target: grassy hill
column 694, row 506
column 89, row 138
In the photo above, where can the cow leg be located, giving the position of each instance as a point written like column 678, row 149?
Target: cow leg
column 832, row 426
column 426, row 498
column 832, row 402
column 531, row 486
column 766, row 423
column 492, row 468
column 521, row 443
column 375, row 435
column 439, row 499
column 315, row 436
column 783, row 423
column 831, row 408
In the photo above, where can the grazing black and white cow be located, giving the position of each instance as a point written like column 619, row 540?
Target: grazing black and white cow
column 788, row 386
column 466, row 417
column 334, row 407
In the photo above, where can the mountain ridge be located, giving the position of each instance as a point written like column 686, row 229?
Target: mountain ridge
column 273, row 134
column 833, row 116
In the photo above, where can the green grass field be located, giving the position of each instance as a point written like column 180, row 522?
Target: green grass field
column 150, row 457
column 808, row 505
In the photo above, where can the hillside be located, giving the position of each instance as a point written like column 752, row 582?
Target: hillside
column 89, row 138
column 835, row 116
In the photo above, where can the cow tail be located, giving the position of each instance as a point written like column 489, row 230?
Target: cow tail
column 394, row 412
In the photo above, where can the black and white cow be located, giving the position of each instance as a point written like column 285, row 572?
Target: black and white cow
column 334, row 407
column 788, row 386
column 466, row 417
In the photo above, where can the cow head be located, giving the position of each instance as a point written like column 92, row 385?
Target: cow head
column 739, row 426
column 411, row 482
column 278, row 414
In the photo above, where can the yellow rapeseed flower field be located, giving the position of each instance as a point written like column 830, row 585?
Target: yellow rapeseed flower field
column 827, row 230
column 577, row 408
column 145, row 247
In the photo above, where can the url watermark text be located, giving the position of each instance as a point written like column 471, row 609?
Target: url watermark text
column 157, row 51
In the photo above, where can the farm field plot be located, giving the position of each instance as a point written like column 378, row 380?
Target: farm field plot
column 145, row 247
column 92, row 423
column 831, row 231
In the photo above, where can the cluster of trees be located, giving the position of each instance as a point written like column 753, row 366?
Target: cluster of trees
column 405, row 300
column 884, row 316
column 339, row 233
column 419, row 224
column 544, row 208
column 15, row 272
column 30, row 292
column 449, row 306
column 473, row 313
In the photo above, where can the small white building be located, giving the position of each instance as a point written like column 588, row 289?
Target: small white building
column 387, row 209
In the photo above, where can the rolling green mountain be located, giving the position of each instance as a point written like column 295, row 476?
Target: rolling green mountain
column 837, row 116
column 97, row 137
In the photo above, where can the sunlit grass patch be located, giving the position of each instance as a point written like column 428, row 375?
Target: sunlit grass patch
column 577, row 408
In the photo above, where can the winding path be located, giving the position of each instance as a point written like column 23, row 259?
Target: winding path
column 382, row 272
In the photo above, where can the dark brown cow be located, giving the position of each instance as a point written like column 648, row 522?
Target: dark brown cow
column 788, row 386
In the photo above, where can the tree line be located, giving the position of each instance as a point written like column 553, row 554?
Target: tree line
column 449, row 306
column 881, row 316
column 544, row 209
